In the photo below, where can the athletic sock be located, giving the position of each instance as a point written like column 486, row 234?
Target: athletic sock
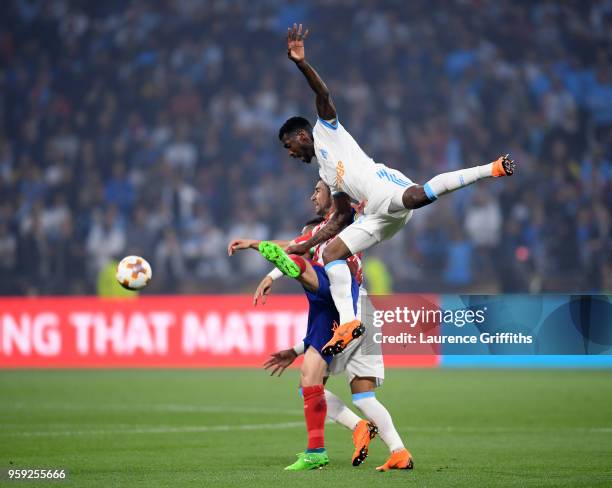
column 377, row 413
column 299, row 260
column 339, row 412
column 339, row 276
column 315, row 410
column 447, row 182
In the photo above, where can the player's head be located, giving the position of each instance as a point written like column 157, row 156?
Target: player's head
column 296, row 136
column 321, row 198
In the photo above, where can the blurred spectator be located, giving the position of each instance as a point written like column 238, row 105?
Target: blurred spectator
column 169, row 261
column 140, row 234
column 119, row 190
column 458, row 269
column 483, row 220
column 106, row 239
column 8, row 259
column 483, row 225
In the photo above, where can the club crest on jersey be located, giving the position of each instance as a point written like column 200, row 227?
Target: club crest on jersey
column 324, row 153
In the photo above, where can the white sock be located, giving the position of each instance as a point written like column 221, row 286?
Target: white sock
column 339, row 412
column 447, row 182
column 377, row 413
column 339, row 276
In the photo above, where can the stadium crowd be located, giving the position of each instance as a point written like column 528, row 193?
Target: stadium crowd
column 150, row 128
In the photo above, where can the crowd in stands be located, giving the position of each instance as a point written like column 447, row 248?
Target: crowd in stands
column 150, row 128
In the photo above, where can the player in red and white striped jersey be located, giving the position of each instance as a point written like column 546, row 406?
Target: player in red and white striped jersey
column 363, row 367
column 354, row 262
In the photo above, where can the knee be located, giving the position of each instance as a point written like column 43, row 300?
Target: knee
column 335, row 250
column 308, row 376
column 357, row 397
column 415, row 197
column 307, row 379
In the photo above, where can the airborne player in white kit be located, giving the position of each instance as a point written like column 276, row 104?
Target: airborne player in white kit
column 346, row 169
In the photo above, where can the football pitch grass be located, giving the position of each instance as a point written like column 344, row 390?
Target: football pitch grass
column 240, row 428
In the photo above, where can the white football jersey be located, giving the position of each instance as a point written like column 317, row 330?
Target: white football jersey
column 345, row 167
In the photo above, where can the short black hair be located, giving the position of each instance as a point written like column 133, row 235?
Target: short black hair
column 326, row 185
column 314, row 221
column 293, row 125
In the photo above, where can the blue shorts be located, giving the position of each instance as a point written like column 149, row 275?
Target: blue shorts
column 322, row 313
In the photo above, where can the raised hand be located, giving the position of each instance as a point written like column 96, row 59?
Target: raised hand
column 295, row 43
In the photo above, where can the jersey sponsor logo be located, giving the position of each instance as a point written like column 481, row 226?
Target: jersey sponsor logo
column 324, row 153
column 339, row 174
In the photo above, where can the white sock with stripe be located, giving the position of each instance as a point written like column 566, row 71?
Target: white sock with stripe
column 447, row 182
column 339, row 412
column 340, row 282
column 377, row 413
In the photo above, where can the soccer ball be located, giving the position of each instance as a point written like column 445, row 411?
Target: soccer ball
column 133, row 272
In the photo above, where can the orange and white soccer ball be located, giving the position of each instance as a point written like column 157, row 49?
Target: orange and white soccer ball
column 133, row 272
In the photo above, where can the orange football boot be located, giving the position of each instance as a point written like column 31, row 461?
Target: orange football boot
column 398, row 460
column 362, row 435
column 503, row 166
column 343, row 335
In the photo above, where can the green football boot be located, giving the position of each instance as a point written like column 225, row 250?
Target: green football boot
column 279, row 258
column 309, row 460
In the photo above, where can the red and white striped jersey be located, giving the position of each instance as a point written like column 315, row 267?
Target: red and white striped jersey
column 354, row 262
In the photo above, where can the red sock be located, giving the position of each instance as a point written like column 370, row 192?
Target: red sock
column 299, row 260
column 315, row 410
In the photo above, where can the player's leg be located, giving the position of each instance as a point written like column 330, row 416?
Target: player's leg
column 291, row 265
column 312, row 374
column 364, row 398
column 363, row 430
column 313, row 369
column 334, row 257
column 308, row 278
column 321, row 314
column 339, row 412
column 279, row 258
column 300, row 268
column 418, row 196
column 340, row 283
column 365, row 370
column 346, row 332
column 367, row 234
column 360, row 236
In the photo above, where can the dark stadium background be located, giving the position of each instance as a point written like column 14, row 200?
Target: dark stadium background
column 150, row 128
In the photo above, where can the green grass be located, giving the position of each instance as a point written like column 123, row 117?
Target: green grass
column 149, row 428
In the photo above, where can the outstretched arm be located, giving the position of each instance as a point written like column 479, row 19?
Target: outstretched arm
column 263, row 290
column 239, row 244
column 295, row 51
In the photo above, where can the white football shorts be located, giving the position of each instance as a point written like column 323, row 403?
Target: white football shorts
column 362, row 358
column 384, row 212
